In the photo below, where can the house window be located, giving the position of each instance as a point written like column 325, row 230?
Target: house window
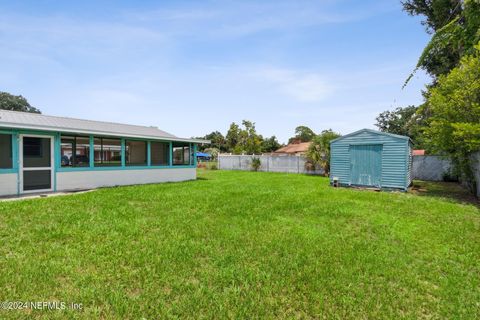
column 181, row 154
column 135, row 153
column 75, row 151
column 6, row 151
column 160, row 153
column 107, row 152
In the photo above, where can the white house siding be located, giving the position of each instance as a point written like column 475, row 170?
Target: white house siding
column 8, row 184
column 107, row 178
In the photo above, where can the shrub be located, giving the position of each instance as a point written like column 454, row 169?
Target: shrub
column 256, row 164
column 213, row 166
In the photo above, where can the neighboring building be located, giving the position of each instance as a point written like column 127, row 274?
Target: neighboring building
column 370, row 158
column 418, row 152
column 41, row 153
column 294, row 148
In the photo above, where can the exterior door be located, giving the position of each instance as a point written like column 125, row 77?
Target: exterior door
column 366, row 165
column 36, row 163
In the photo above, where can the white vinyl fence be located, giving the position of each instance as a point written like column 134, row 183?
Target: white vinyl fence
column 269, row 163
column 428, row 168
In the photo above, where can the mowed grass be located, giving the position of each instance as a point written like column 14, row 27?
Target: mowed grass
column 242, row 245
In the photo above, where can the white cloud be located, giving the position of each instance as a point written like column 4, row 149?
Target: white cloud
column 303, row 86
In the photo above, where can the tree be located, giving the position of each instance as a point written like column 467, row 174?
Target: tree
column 454, row 124
column 244, row 140
column 250, row 141
column 302, row 134
column 233, row 136
column 405, row 121
column 213, row 152
column 318, row 152
column 270, row 144
column 454, row 25
column 15, row 103
column 217, row 141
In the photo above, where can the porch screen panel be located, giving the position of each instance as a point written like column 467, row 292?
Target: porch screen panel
column 6, row 161
column 136, row 153
column 160, row 153
column 108, row 152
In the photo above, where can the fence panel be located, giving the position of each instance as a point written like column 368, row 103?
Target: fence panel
column 430, row 168
column 269, row 163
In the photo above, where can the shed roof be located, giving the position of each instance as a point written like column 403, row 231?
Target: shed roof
column 371, row 131
column 33, row 121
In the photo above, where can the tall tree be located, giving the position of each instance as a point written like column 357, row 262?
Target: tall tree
column 302, row 134
column 405, row 121
column 218, row 141
column 15, row 103
column 319, row 150
column 270, row 144
column 454, row 125
column 233, row 136
column 454, row 26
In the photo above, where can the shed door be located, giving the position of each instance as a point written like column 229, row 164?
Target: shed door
column 366, row 165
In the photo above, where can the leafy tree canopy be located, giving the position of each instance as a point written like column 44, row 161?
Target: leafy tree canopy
column 455, row 27
column 270, row 144
column 407, row 121
column 454, row 123
column 319, row 150
column 15, row 103
column 302, row 134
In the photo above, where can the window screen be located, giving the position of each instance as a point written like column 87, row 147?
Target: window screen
column 75, row 151
column 135, row 153
column 6, row 151
column 181, row 154
column 160, row 153
column 108, row 152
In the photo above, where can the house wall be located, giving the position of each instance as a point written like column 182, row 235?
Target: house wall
column 68, row 178
column 395, row 158
column 108, row 178
column 8, row 184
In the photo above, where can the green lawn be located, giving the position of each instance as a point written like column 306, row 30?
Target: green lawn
column 242, row 245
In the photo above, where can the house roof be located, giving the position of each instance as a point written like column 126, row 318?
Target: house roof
column 371, row 131
column 33, row 121
column 418, row 152
column 294, row 148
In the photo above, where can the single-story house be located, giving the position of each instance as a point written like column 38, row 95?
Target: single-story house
column 41, row 153
column 294, row 148
column 370, row 158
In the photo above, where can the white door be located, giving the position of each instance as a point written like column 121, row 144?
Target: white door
column 36, row 163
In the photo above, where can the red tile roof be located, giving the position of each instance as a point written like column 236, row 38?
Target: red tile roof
column 294, row 148
column 418, row 152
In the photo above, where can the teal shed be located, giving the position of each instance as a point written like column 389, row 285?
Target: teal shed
column 370, row 158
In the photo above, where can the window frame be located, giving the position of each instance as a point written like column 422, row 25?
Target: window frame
column 103, row 165
column 145, row 164
column 12, row 152
column 74, row 151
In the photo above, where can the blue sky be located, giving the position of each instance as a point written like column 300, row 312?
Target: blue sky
column 192, row 67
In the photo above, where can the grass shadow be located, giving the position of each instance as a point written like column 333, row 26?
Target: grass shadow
column 451, row 191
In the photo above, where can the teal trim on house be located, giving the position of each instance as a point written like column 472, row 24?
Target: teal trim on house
column 123, row 153
column 170, row 161
column 195, row 155
column 149, row 153
column 57, row 165
column 91, row 159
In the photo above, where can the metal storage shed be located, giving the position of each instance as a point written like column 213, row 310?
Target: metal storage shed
column 371, row 158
